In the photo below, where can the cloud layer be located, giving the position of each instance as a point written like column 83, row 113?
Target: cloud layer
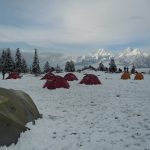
column 55, row 23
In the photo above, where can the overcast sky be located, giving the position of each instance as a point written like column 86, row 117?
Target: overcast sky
column 74, row 26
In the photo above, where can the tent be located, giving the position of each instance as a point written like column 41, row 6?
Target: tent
column 89, row 68
column 90, row 79
column 48, row 76
column 125, row 76
column 16, row 109
column 138, row 76
column 13, row 75
column 57, row 82
column 70, row 77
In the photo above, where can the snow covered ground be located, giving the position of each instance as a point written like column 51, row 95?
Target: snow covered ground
column 112, row 116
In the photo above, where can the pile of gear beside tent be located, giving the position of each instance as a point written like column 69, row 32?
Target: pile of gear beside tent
column 16, row 109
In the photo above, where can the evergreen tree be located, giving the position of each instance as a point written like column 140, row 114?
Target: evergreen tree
column 67, row 66
column 18, row 61
column 58, row 69
column 35, row 65
column 0, row 64
column 101, row 66
column 112, row 66
column 9, row 63
column 3, row 60
column 46, row 67
column 70, row 67
column 24, row 66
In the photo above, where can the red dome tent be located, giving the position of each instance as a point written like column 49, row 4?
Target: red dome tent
column 57, row 82
column 90, row 79
column 48, row 76
column 70, row 77
column 13, row 75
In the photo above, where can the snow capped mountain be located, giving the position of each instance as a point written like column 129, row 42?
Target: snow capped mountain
column 130, row 52
column 131, row 56
column 98, row 56
column 101, row 53
column 126, row 57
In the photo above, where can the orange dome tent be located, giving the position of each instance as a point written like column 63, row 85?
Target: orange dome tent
column 125, row 76
column 138, row 76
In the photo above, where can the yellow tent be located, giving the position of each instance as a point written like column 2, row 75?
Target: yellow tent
column 125, row 76
column 138, row 76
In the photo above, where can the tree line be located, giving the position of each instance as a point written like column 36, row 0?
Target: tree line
column 8, row 64
column 18, row 64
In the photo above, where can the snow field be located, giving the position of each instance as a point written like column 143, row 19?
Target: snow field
column 110, row 116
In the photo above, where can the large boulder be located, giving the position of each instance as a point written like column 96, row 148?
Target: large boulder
column 16, row 109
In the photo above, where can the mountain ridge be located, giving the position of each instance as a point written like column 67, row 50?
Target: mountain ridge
column 126, row 57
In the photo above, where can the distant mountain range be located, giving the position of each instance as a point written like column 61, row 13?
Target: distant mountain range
column 126, row 57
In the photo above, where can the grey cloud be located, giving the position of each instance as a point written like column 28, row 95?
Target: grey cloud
column 77, row 22
column 136, row 18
